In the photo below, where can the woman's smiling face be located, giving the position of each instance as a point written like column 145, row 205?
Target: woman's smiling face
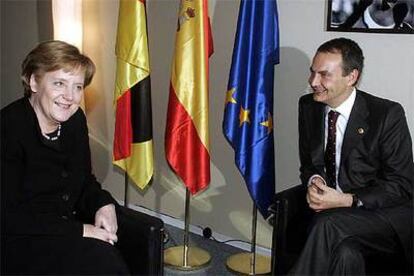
column 56, row 95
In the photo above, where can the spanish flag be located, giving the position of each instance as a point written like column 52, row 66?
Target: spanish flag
column 187, row 135
column 133, row 121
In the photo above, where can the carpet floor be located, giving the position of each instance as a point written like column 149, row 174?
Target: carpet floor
column 219, row 253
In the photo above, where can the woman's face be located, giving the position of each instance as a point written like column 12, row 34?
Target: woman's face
column 56, row 95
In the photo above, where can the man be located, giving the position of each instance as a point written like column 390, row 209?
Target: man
column 357, row 164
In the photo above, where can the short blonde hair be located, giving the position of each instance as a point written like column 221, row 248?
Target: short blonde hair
column 54, row 55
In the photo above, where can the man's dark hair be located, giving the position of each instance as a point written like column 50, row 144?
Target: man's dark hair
column 352, row 56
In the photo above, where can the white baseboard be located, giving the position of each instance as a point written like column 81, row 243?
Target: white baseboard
column 198, row 230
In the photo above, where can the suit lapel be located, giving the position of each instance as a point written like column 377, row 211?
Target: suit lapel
column 356, row 128
column 318, row 134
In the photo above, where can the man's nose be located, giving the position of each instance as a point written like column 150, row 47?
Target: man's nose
column 314, row 80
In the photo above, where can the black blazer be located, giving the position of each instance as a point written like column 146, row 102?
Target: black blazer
column 44, row 189
column 376, row 160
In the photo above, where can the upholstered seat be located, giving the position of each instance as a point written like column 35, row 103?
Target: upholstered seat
column 290, row 220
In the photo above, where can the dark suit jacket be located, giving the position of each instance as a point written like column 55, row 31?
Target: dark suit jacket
column 44, row 190
column 376, row 163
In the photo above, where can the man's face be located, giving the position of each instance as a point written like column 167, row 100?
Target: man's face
column 326, row 79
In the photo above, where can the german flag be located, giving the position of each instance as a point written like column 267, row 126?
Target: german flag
column 187, row 134
column 133, row 120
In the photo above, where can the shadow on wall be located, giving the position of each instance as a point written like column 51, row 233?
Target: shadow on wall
column 99, row 41
column 100, row 152
column 291, row 76
column 161, row 39
column 227, row 195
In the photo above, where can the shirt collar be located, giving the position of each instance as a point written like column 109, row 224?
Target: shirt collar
column 345, row 108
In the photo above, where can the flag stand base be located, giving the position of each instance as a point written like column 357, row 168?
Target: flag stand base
column 197, row 258
column 184, row 257
column 241, row 264
column 250, row 263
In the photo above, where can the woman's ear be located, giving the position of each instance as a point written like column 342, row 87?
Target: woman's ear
column 33, row 83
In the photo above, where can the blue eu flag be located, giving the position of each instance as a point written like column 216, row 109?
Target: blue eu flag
column 248, row 114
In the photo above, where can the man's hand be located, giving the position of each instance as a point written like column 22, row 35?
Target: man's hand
column 105, row 218
column 91, row 231
column 321, row 197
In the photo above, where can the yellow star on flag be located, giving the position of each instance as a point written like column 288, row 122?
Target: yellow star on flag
column 268, row 123
column 229, row 96
column 244, row 116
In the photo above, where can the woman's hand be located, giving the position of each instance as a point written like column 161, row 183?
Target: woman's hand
column 105, row 218
column 91, row 231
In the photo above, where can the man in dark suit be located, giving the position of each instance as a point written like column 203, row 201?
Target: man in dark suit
column 357, row 164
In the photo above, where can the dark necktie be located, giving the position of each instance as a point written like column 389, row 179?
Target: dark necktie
column 330, row 151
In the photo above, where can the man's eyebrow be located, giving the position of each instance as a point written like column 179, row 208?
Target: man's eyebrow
column 319, row 72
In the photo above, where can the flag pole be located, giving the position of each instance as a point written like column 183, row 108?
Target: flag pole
column 125, row 189
column 183, row 257
column 253, row 244
column 250, row 263
column 186, row 228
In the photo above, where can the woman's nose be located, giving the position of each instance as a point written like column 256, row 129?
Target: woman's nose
column 68, row 94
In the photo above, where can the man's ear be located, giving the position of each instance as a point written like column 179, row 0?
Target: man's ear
column 353, row 77
column 33, row 83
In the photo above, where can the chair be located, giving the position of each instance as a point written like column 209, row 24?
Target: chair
column 146, row 256
column 291, row 216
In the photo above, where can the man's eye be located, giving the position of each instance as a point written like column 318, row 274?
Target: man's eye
column 58, row 83
column 79, row 87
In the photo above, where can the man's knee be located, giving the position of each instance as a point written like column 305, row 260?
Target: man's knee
column 333, row 221
column 347, row 259
column 321, row 223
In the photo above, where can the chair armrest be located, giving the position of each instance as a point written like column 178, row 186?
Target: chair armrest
column 146, row 234
column 294, row 201
column 290, row 213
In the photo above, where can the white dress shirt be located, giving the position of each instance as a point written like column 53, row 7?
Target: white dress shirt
column 344, row 111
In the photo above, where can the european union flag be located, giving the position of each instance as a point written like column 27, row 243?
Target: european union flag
column 248, row 114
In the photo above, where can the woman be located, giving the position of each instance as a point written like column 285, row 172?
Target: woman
column 56, row 219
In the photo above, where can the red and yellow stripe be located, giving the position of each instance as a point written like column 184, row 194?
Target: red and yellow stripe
column 133, row 120
column 187, row 135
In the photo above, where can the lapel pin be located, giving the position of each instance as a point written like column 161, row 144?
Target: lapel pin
column 360, row 130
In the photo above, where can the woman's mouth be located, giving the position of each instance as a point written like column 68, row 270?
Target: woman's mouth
column 62, row 105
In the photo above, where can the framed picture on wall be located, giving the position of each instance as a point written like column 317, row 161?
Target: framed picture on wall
column 372, row 16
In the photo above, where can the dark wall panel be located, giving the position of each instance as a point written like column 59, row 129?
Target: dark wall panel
column 23, row 24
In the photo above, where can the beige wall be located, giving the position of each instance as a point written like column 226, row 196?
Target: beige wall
column 226, row 206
